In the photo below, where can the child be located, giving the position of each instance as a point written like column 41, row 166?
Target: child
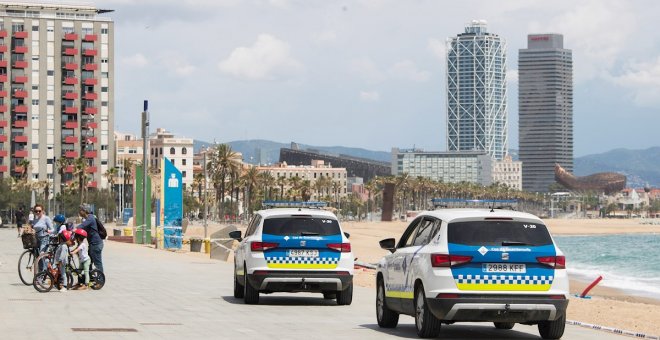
column 60, row 223
column 83, row 256
column 62, row 256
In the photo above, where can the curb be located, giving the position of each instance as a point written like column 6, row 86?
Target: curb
column 637, row 335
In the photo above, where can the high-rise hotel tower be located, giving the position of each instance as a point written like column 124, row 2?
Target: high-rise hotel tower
column 56, row 92
column 545, row 100
column 476, row 91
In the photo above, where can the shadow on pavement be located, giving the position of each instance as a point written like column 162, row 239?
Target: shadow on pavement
column 455, row 332
column 280, row 300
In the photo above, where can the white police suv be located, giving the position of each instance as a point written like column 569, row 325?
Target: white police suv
column 293, row 250
column 454, row 265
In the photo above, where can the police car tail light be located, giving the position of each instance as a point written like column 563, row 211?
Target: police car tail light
column 556, row 262
column 444, row 260
column 341, row 247
column 262, row 246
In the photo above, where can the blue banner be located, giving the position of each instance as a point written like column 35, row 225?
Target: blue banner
column 171, row 205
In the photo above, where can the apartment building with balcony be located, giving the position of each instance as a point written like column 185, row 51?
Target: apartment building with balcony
column 56, row 90
column 177, row 149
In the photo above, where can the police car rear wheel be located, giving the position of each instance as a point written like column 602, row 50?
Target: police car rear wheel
column 504, row 325
column 386, row 317
column 250, row 294
column 428, row 326
column 552, row 329
column 345, row 297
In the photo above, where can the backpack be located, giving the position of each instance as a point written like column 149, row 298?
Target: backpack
column 101, row 229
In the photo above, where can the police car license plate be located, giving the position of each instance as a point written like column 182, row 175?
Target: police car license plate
column 503, row 268
column 304, row 253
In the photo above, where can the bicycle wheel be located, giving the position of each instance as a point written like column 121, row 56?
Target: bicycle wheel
column 96, row 279
column 43, row 258
column 43, row 282
column 25, row 264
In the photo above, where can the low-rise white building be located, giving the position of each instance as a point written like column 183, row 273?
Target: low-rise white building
column 179, row 150
column 508, row 172
column 336, row 178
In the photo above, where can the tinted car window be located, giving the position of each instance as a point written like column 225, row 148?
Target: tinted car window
column 301, row 226
column 409, row 235
column 424, row 233
column 496, row 232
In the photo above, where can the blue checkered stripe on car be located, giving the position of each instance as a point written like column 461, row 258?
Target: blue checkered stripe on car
column 505, row 279
column 302, row 260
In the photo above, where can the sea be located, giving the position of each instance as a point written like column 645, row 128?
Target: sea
column 629, row 262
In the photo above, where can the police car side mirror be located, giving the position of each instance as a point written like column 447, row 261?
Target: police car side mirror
column 347, row 235
column 236, row 235
column 388, row 244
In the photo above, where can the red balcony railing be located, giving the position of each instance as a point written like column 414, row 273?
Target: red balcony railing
column 91, row 110
column 70, row 66
column 91, row 140
column 3, row 153
column 3, row 77
column 70, row 51
column 70, row 80
column 20, row 94
column 21, row 139
column 3, row 33
column 91, row 125
column 3, row 138
column 70, row 139
column 92, row 184
column 70, row 110
column 70, row 36
column 20, row 109
column 3, row 108
column 3, row 48
column 20, row 79
column 20, row 49
column 20, row 153
column 21, row 34
column 20, row 64
column 91, row 67
column 70, row 95
column 3, row 168
column 91, row 170
column 90, row 154
column 90, row 52
column 70, row 124
column 70, row 154
column 90, row 37
column 20, row 123
column 3, row 94
column 3, row 123
column 68, row 169
column 91, row 96
column 91, row 81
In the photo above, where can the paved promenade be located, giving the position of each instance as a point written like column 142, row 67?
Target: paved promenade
column 158, row 294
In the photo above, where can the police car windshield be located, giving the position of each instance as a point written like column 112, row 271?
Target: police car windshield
column 498, row 233
column 301, row 226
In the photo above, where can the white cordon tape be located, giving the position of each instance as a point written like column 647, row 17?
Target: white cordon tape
column 613, row 330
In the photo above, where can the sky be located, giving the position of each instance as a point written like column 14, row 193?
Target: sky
column 368, row 73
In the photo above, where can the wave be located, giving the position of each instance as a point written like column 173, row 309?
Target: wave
column 634, row 285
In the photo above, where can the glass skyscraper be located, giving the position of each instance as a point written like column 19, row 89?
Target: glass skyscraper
column 476, row 92
column 545, row 100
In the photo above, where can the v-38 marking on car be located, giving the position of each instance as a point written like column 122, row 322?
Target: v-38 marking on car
column 454, row 265
column 293, row 250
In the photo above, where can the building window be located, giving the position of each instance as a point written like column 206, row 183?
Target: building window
column 152, row 152
column 50, row 73
column 183, row 161
column 50, row 102
column 160, row 151
column 173, row 161
column 104, row 89
column 183, row 174
column 172, row 151
column 104, row 31
column 104, row 147
column 184, row 151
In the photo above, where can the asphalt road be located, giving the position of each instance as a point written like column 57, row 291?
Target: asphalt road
column 159, row 294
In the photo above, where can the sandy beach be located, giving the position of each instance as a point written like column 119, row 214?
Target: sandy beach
column 608, row 307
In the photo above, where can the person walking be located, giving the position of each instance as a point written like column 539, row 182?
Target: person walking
column 43, row 227
column 20, row 219
column 93, row 238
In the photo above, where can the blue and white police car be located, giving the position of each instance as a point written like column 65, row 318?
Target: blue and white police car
column 293, row 250
column 490, row 265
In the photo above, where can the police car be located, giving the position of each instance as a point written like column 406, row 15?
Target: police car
column 293, row 250
column 454, row 265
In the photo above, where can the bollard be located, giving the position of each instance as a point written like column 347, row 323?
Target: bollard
column 591, row 286
column 207, row 245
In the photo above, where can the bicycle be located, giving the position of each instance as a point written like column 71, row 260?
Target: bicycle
column 46, row 256
column 96, row 277
column 45, row 280
column 26, row 267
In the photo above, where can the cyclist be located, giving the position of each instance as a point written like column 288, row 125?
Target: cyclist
column 60, row 223
column 83, row 257
column 43, row 226
column 62, row 256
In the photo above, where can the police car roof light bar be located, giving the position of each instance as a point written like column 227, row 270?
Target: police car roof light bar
column 294, row 204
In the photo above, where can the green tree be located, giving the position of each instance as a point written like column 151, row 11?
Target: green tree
column 223, row 162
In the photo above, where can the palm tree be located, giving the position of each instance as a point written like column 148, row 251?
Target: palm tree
column 305, row 189
column 198, row 182
column 294, row 182
column 281, row 181
column 80, row 172
column 267, row 181
column 222, row 164
column 111, row 175
column 127, row 166
column 23, row 164
column 251, row 180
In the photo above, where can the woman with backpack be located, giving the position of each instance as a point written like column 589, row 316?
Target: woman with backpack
column 93, row 237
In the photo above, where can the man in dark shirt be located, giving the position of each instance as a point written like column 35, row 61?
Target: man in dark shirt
column 20, row 218
column 93, row 237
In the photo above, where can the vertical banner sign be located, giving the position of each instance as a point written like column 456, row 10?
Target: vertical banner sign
column 137, row 203
column 171, row 204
